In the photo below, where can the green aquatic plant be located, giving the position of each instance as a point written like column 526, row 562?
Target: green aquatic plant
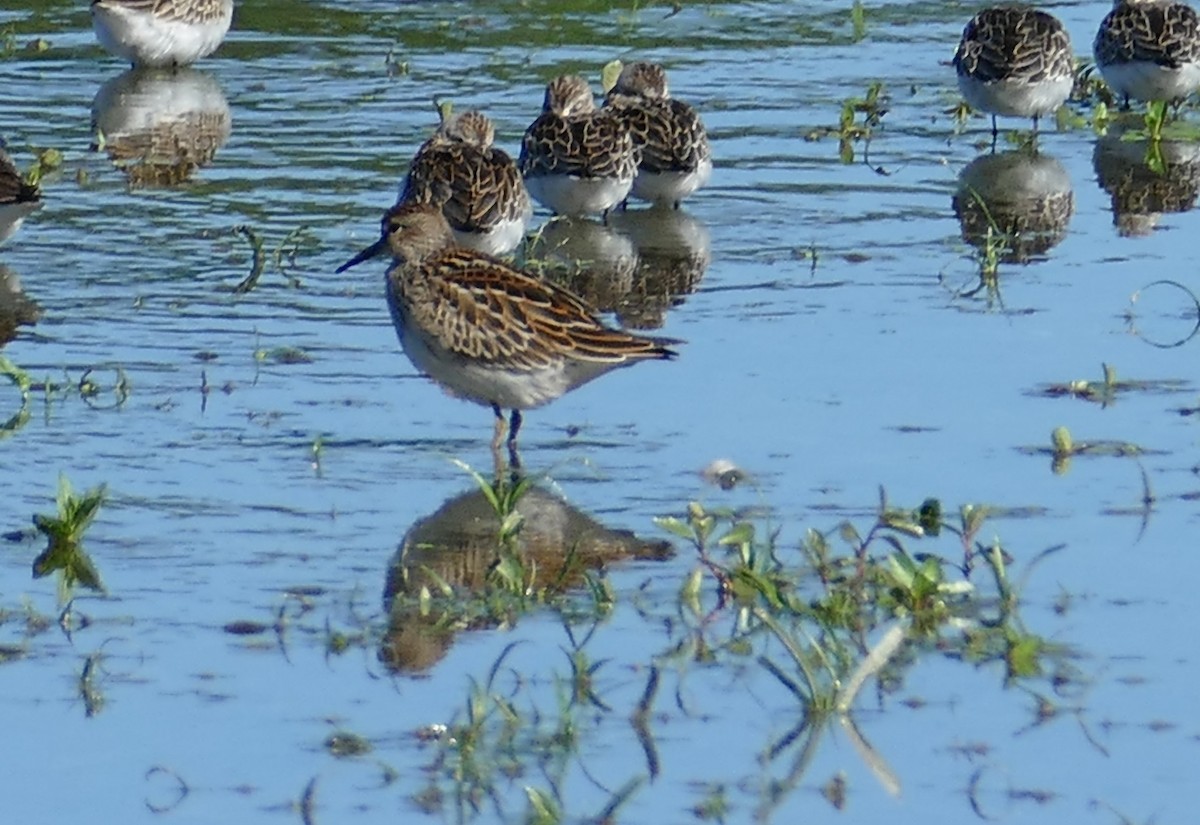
column 1105, row 391
column 21, row 380
column 8, row 41
column 46, row 162
column 257, row 258
column 89, row 690
column 1063, row 447
column 872, row 107
column 345, row 744
column 858, row 20
column 64, row 531
column 1156, row 119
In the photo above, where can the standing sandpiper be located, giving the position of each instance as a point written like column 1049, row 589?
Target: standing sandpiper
column 1149, row 50
column 477, row 185
column 1015, row 61
column 676, row 158
column 577, row 159
column 488, row 332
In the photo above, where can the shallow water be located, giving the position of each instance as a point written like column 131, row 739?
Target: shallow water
column 824, row 381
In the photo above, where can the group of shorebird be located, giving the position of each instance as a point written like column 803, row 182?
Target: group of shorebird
column 492, row 333
column 1018, row 61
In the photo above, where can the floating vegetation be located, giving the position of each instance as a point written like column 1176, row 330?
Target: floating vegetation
column 1063, row 447
column 873, row 105
column 282, row 355
column 1104, row 392
column 257, row 261
column 858, row 20
column 89, row 690
column 21, row 380
column 46, row 162
column 856, row 608
column 283, row 257
column 344, row 744
column 64, row 531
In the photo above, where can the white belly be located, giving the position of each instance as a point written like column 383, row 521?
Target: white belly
column 1015, row 98
column 501, row 239
column 146, row 40
column 510, row 390
column 1148, row 81
column 570, row 195
column 669, row 188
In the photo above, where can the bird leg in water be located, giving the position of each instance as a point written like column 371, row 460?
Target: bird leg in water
column 513, row 429
column 498, row 433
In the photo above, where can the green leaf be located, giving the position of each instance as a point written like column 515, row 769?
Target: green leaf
column 740, row 534
column 676, row 527
column 609, row 75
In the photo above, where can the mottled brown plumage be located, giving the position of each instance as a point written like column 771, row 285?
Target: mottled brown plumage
column 1149, row 49
column 1014, row 42
column 477, row 185
column 13, row 188
column 18, row 199
column 184, row 11
column 1164, row 33
column 1015, row 61
column 572, row 139
column 669, row 132
column 489, row 332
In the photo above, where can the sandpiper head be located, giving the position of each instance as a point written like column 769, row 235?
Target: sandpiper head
column 411, row 232
column 470, row 127
column 568, row 95
column 646, row 80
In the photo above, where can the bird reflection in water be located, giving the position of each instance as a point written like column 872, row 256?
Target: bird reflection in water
column 637, row 265
column 461, row 547
column 1146, row 179
column 160, row 126
column 16, row 309
column 1021, row 198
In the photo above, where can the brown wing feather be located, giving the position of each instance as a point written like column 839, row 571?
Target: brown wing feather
column 595, row 145
column 13, row 188
column 669, row 133
column 188, row 11
column 485, row 186
column 482, row 309
column 1167, row 34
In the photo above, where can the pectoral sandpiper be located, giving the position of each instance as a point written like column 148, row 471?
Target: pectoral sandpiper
column 1015, row 61
column 1149, row 50
column 676, row 158
column 577, row 159
column 477, row 185
column 488, row 332
column 161, row 33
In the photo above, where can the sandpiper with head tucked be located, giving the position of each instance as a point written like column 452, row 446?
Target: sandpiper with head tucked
column 577, row 159
column 161, row 33
column 477, row 185
column 676, row 159
column 1149, row 50
column 1015, row 61
column 488, row 332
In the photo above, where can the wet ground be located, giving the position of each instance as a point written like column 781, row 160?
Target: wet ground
column 267, row 452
